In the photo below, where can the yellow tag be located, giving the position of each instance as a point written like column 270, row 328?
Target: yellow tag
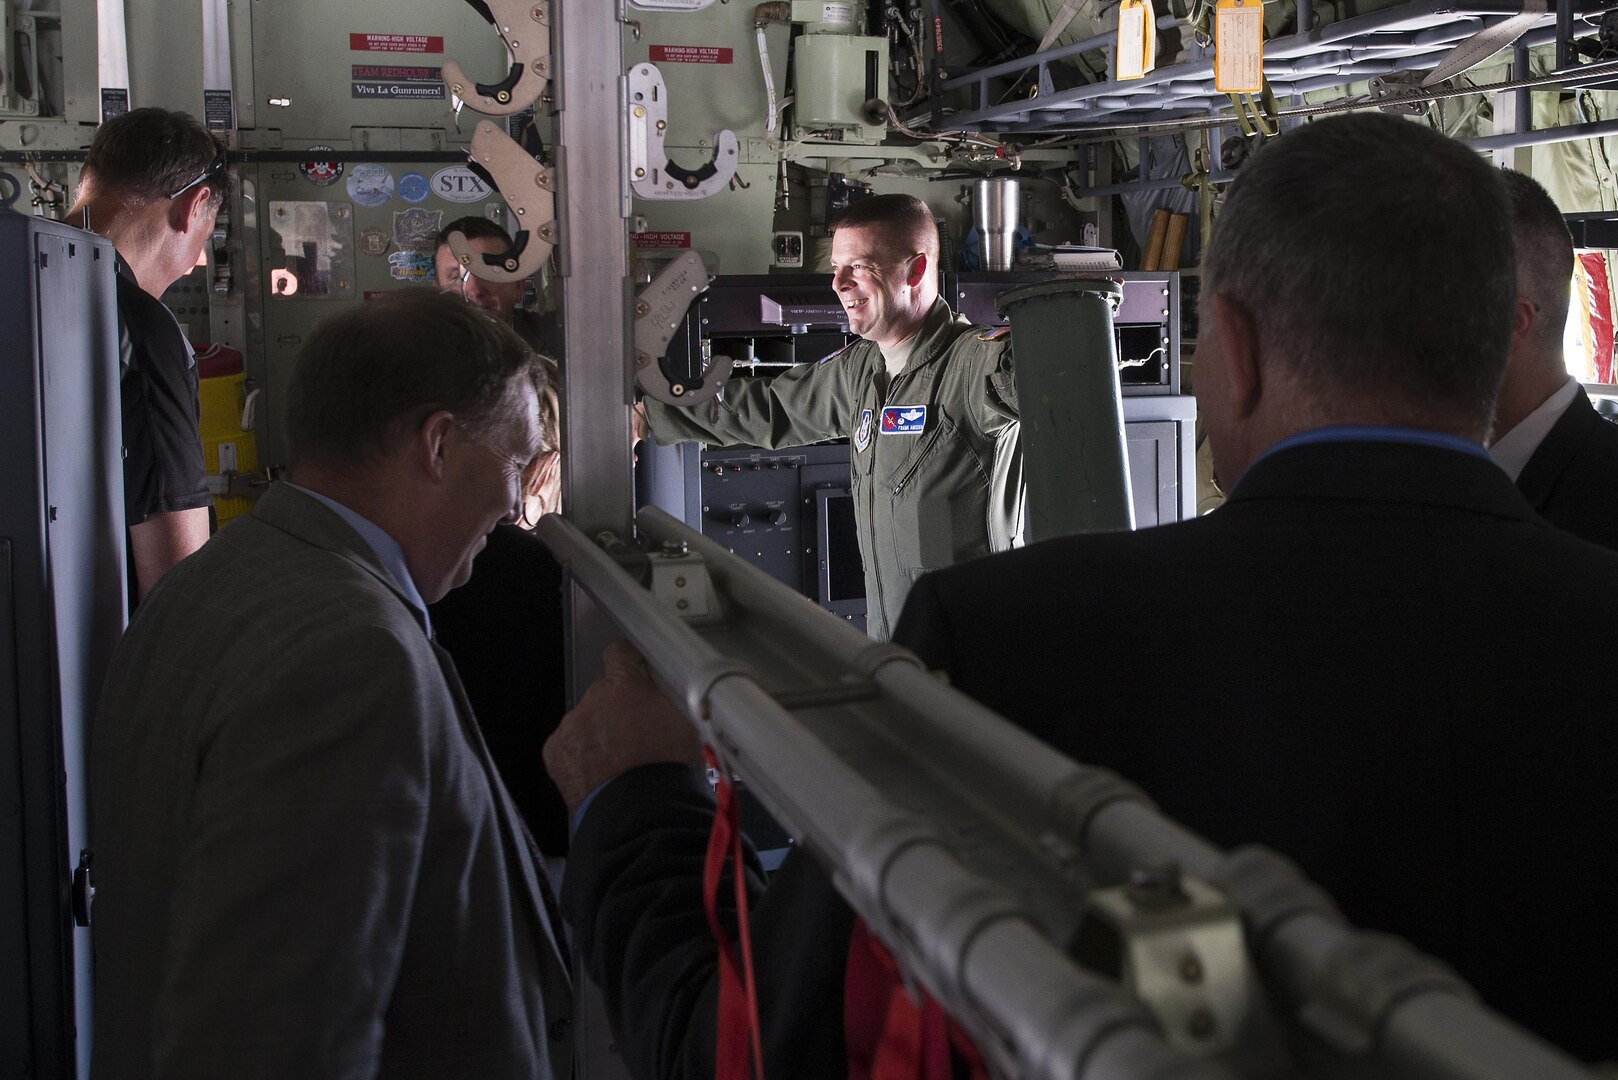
column 1132, row 43
column 1239, row 47
column 1149, row 39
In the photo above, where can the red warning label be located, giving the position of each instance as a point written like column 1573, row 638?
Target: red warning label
column 402, row 43
column 661, row 239
column 691, row 54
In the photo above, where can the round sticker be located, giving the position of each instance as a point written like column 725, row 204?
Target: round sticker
column 374, row 241
column 321, row 173
column 460, row 184
column 413, row 187
column 370, row 185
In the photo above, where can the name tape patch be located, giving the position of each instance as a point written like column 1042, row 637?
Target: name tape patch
column 904, row 419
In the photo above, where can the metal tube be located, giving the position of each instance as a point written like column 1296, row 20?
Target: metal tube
column 1420, row 18
column 968, row 940
column 1060, row 52
column 1219, row 177
column 1075, row 462
column 1544, row 136
column 763, row 597
column 1525, row 97
column 1306, row 15
column 935, row 66
column 1566, row 57
column 1434, row 1035
column 593, row 209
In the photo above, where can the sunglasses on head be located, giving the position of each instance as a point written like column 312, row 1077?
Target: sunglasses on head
column 215, row 167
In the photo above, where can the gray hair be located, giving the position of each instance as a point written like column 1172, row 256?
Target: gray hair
column 1375, row 258
column 373, row 374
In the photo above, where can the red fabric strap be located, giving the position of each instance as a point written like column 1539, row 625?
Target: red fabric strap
column 738, row 1036
column 891, row 1036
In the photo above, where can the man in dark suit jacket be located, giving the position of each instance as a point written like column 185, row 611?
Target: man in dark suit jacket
column 306, row 862
column 1548, row 437
column 1362, row 659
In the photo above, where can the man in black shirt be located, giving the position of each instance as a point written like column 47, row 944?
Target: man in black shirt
column 153, row 182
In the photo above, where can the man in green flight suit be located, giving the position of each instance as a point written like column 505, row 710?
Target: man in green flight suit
column 926, row 401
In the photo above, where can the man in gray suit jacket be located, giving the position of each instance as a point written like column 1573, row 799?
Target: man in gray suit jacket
column 307, row 865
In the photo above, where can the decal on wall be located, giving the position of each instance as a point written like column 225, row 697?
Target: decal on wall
column 415, row 267
column 321, row 173
column 399, row 43
column 690, row 54
column 370, row 185
column 414, row 229
column 397, row 83
column 413, row 187
column 374, row 241
column 460, row 184
column 661, row 239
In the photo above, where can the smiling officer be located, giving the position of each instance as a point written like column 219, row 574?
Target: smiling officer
column 926, row 400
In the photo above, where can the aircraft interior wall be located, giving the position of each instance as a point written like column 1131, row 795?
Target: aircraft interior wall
column 746, row 128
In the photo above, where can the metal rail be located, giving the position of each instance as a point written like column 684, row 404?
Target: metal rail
column 1409, row 37
column 961, row 915
column 967, row 844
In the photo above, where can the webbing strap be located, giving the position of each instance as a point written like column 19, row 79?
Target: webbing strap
column 112, row 58
column 889, row 1034
column 218, row 101
column 1064, row 15
column 1486, row 42
column 739, row 1050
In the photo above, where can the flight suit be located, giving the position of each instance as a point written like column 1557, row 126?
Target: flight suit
column 936, row 461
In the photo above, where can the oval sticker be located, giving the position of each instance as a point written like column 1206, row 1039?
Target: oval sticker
column 460, row 184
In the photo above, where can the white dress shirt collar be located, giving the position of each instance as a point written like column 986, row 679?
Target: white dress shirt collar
column 1512, row 450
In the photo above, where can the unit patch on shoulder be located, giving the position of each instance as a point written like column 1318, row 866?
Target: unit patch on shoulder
column 862, row 434
column 994, row 333
column 904, row 419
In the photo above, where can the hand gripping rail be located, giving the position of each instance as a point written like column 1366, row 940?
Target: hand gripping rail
column 969, row 846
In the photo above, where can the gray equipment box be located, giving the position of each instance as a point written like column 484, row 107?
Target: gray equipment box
column 62, row 608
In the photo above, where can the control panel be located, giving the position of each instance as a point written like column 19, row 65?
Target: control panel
column 788, row 512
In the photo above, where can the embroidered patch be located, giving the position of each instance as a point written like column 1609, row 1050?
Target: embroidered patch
column 862, row 434
column 904, row 419
column 994, row 333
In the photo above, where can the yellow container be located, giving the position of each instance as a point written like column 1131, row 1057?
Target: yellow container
column 227, row 447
